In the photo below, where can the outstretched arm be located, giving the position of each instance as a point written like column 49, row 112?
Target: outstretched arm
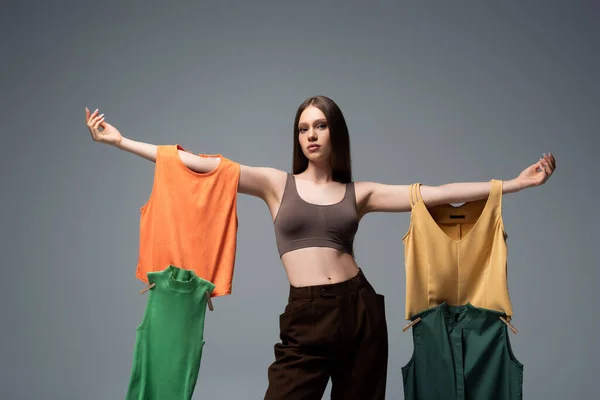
column 377, row 197
column 255, row 181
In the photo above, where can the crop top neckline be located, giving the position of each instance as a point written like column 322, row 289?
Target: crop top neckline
column 300, row 224
column 293, row 180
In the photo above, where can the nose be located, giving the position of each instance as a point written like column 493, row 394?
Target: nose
column 312, row 135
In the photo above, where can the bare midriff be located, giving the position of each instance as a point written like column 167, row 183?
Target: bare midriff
column 312, row 266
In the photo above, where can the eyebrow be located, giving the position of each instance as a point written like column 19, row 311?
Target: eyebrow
column 316, row 121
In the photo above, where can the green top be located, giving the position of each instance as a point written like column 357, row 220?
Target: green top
column 170, row 338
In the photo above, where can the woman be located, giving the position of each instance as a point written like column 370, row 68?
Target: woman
column 334, row 325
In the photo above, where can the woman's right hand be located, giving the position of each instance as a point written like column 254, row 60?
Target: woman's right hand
column 109, row 134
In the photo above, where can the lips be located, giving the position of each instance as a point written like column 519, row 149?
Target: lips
column 313, row 147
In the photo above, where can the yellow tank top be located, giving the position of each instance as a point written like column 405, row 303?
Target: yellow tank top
column 456, row 255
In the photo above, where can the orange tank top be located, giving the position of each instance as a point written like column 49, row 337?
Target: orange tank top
column 456, row 255
column 190, row 220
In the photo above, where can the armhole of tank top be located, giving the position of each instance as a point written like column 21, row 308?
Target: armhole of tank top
column 417, row 194
column 236, row 169
column 288, row 182
column 351, row 190
column 500, row 184
column 154, row 278
column 207, row 286
column 160, row 153
column 414, row 194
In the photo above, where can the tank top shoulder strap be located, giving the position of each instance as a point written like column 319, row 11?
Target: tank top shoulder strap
column 168, row 151
column 287, row 197
column 200, row 293
column 163, row 150
column 290, row 185
column 414, row 194
column 289, row 190
column 495, row 196
column 163, row 166
column 156, row 277
column 350, row 193
column 350, row 196
column 230, row 170
column 225, row 163
column 168, row 164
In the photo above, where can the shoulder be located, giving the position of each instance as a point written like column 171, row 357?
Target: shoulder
column 362, row 192
column 363, row 189
column 374, row 196
column 261, row 181
column 273, row 175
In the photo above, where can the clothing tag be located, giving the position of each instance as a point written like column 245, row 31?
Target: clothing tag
column 457, row 217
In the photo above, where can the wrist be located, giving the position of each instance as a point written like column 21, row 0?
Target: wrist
column 121, row 143
column 513, row 185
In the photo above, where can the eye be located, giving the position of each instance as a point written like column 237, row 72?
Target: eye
column 302, row 130
column 322, row 126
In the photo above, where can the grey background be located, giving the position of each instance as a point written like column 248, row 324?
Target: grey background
column 433, row 92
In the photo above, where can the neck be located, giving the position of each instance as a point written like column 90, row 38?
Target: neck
column 318, row 172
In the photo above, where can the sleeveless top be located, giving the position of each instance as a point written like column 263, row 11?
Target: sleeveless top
column 190, row 220
column 170, row 338
column 456, row 255
column 299, row 224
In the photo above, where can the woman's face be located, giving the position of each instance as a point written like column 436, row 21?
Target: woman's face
column 313, row 134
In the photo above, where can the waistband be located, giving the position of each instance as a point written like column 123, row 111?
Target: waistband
column 330, row 290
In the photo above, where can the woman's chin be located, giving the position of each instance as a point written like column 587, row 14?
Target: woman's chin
column 316, row 158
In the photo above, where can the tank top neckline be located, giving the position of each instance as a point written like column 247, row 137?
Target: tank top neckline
column 180, row 280
column 178, row 147
column 293, row 178
column 492, row 194
column 467, row 311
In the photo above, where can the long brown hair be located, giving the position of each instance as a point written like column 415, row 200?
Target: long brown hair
column 341, row 164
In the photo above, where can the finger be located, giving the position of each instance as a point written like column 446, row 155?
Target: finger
column 550, row 160
column 538, row 166
column 93, row 114
column 87, row 114
column 553, row 161
column 96, row 119
column 547, row 160
column 91, row 117
column 550, row 163
column 97, row 124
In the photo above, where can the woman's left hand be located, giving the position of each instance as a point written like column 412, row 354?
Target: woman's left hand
column 538, row 173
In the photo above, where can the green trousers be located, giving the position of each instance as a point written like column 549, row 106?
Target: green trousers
column 170, row 339
column 462, row 353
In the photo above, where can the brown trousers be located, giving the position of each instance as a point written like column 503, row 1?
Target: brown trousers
column 336, row 331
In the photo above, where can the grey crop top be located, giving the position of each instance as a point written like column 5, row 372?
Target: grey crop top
column 300, row 224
